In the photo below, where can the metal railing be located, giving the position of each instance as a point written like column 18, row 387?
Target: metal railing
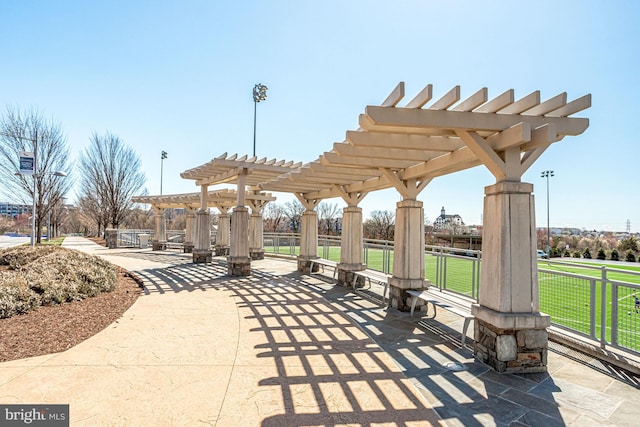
column 131, row 239
column 593, row 301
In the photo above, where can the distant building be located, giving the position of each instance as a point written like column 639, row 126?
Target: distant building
column 447, row 222
column 13, row 209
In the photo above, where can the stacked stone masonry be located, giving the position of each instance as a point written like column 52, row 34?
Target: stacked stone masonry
column 511, row 351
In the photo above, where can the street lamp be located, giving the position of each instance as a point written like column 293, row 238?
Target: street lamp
column 259, row 94
column 35, row 179
column 35, row 189
column 163, row 155
column 547, row 174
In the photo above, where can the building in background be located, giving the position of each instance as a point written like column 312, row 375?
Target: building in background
column 447, row 222
column 13, row 209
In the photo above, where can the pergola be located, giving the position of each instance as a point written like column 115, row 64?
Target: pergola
column 405, row 147
column 222, row 200
column 246, row 231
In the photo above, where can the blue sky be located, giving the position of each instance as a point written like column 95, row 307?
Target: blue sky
column 178, row 75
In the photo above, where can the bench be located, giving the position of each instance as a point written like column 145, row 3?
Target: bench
column 376, row 276
column 322, row 262
column 438, row 299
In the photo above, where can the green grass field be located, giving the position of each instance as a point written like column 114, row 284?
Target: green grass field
column 567, row 299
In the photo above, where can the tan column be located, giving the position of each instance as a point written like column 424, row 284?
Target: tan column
column 202, row 242
column 308, row 240
column 223, row 236
column 256, row 249
column 189, row 231
column 238, row 261
column 510, row 331
column 351, row 245
column 408, row 253
column 159, row 242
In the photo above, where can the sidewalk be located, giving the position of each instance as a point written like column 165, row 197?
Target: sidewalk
column 283, row 349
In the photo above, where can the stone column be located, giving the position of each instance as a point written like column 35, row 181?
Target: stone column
column 510, row 331
column 111, row 238
column 308, row 241
column 202, row 244
column 239, row 261
column 223, row 237
column 351, row 245
column 189, row 231
column 159, row 242
column 256, row 250
column 408, row 253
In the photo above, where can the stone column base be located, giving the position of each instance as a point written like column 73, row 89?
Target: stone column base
column 201, row 256
column 222, row 250
column 187, row 248
column 304, row 265
column 511, row 342
column 256, row 254
column 346, row 274
column 158, row 246
column 399, row 299
column 111, row 238
column 238, row 266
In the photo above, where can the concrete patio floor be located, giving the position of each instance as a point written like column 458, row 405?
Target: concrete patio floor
column 279, row 348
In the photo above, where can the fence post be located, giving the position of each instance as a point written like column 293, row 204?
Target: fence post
column 592, row 314
column 603, row 307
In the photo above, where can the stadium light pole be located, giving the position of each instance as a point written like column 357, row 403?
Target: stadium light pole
column 548, row 174
column 259, row 94
column 163, row 155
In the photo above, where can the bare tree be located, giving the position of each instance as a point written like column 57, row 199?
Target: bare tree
column 293, row 211
column 381, row 225
column 91, row 216
column 328, row 214
column 273, row 217
column 112, row 171
column 26, row 131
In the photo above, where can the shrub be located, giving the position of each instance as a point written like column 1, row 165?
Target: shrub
column 586, row 254
column 566, row 253
column 15, row 295
column 577, row 254
column 21, row 256
column 614, row 255
column 630, row 257
column 51, row 275
column 601, row 255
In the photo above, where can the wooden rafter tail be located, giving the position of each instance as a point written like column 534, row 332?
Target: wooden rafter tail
column 572, row 107
column 422, row 97
column 395, row 96
column 522, row 104
column 547, row 106
column 497, row 103
column 447, row 100
column 474, row 101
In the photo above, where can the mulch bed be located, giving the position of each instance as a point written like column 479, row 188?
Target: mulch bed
column 52, row 329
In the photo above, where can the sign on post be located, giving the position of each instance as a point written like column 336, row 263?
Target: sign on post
column 27, row 163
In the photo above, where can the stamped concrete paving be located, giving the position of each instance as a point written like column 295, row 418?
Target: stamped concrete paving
column 280, row 348
column 202, row 348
